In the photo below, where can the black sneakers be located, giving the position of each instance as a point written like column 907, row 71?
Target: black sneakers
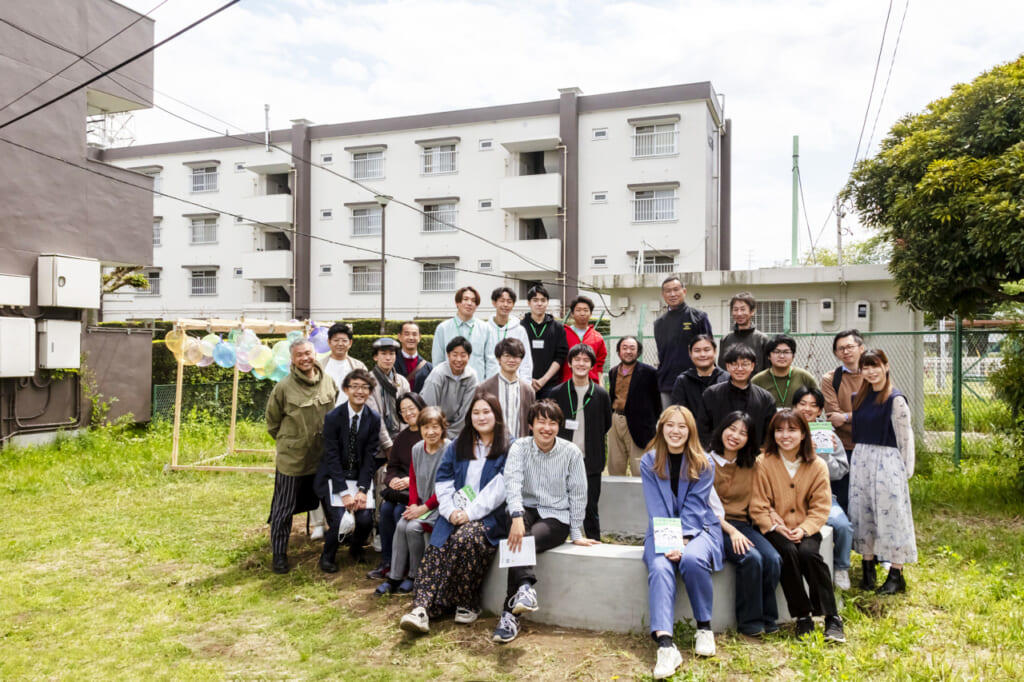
column 834, row 629
column 893, row 583
column 804, row 626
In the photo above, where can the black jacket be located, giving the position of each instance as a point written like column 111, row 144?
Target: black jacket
column 643, row 402
column 690, row 386
column 721, row 399
column 597, row 421
column 336, row 465
column 672, row 334
column 555, row 349
column 753, row 338
column 420, row 373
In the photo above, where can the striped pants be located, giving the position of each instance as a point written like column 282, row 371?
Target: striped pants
column 292, row 495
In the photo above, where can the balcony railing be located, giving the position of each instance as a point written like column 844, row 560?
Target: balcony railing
column 204, row 285
column 366, row 282
column 438, row 280
column 440, row 162
column 438, row 220
column 153, row 290
column 651, row 210
column 367, row 169
column 203, row 232
column 655, row 144
column 658, row 268
column 204, row 181
column 365, row 225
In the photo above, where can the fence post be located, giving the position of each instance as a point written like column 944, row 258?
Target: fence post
column 958, row 383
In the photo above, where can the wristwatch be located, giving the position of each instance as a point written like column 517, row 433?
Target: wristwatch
column 517, row 515
column 362, row 489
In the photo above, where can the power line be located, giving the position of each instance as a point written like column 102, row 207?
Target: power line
column 892, row 61
column 803, row 202
column 115, row 68
column 874, row 80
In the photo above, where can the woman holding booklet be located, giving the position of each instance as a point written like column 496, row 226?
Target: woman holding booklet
column 678, row 483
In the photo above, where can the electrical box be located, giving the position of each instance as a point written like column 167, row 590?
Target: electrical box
column 827, row 310
column 863, row 315
column 68, row 282
column 17, row 347
column 15, row 290
column 60, row 344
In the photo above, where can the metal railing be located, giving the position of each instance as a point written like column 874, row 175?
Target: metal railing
column 438, row 280
column 655, row 144
column 203, row 231
column 153, row 290
column 366, row 282
column 203, row 285
column 437, row 162
column 204, row 181
column 434, row 220
column 368, row 169
column 366, row 225
column 658, row 268
column 653, row 209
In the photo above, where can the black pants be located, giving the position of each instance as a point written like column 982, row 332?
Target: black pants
column 364, row 526
column 592, row 522
column 841, row 489
column 547, row 534
column 802, row 560
column 292, row 495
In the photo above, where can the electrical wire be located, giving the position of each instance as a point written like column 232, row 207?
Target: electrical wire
column 803, row 202
column 892, row 61
column 874, row 81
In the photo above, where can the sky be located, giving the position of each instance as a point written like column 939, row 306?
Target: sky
column 785, row 67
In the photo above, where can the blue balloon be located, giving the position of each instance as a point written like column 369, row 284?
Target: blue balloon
column 319, row 339
column 224, row 354
column 279, row 373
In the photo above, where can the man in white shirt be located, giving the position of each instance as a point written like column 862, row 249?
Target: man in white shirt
column 479, row 334
column 505, row 326
column 337, row 363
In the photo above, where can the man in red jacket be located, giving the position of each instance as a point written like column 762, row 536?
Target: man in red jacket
column 579, row 330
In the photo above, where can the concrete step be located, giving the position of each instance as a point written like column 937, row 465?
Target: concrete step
column 621, row 506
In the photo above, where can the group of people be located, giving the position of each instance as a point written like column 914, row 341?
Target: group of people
column 503, row 433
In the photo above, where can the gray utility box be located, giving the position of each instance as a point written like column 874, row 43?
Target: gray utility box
column 60, row 344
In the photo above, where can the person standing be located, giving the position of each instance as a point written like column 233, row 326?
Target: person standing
column 547, row 341
column 689, row 387
column 635, row 402
column 451, row 385
column 391, row 386
column 743, row 307
column 838, row 387
column 479, row 334
column 505, row 326
column 736, row 395
column 672, row 334
column 782, row 379
column 579, row 330
column 413, row 366
column 513, row 391
column 337, row 363
column 295, row 417
column 587, row 409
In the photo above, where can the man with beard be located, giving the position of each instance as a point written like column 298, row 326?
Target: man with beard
column 636, row 404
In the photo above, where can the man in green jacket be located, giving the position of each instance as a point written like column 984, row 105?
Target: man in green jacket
column 295, row 420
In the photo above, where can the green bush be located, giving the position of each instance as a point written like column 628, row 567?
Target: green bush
column 1008, row 382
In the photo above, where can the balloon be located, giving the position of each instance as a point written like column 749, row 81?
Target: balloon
column 295, row 336
column 260, row 356
column 242, row 356
column 258, row 374
column 244, row 366
column 282, row 349
column 193, row 352
column 319, row 339
column 174, row 340
column 233, row 336
column 205, row 361
column 279, row 373
column 207, row 344
column 224, row 354
column 248, row 340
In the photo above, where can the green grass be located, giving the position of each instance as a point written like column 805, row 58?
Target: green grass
column 112, row 569
column 982, row 413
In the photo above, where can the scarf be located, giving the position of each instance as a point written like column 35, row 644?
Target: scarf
column 389, row 403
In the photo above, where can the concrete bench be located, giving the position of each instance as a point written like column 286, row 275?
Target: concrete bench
column 604, row 587
column 621, row 506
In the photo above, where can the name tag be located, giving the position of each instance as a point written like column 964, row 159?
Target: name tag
column 572, row 424
column 538, row 343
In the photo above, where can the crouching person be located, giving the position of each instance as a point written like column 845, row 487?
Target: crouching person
column 678, row 480
column 546, row 494
column 470, row 493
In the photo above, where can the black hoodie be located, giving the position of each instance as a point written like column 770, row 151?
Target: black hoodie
column 550, row 337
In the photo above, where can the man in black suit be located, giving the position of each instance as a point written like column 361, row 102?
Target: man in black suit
column 636, row 405
column 411, row 365
column 351, row 439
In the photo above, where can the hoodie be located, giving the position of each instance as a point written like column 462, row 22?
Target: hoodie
column 690, row 386
column 513, row 330
column 753, row 338
column 295, row 419
column 451, row 393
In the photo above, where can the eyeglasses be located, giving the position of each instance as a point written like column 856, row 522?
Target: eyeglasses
column 847, row 348
column 782, row 352
column 742, row 364
column 359, row 387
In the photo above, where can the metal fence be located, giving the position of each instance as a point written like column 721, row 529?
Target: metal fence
column 213, row 399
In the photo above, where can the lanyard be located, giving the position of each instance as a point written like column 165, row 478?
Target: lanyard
column 460, row 324
column 789, row 377
column 534, row 327
column 571, row 388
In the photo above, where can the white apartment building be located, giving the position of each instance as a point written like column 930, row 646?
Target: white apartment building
column 559, row 191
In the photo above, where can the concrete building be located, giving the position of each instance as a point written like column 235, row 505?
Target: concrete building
column 587, row 185
column 77, row 209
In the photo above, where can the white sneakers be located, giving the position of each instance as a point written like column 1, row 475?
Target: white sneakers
column 464, row 616
column 669, row 659
column 416, row 621
column 316, row 533
column 841, row 577
column 705, row 644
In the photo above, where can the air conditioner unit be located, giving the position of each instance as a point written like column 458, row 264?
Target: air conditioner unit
column 68, row 282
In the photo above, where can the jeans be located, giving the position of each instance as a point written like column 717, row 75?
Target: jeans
column 390, row 513
column 757, row 576
column 842, row 537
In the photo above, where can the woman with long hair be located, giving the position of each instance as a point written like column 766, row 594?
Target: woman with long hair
column 758, row 566
column 470, row 493
column 882, row 463
column 678, row 482
column 791, row 502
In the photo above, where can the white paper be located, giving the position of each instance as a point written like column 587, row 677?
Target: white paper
column 538, row 343
column 352, row 487
column 526, row 556
column 572, row 424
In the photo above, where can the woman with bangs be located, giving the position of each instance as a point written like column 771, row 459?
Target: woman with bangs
column 790, row 503
column 678, row 483
column 881, row 465
column 758, row 565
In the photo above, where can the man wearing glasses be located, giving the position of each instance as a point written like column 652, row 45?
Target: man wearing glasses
column 737, row 394
column 838, row 387
column 782, row 379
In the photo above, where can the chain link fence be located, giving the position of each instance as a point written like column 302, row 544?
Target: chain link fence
column 213, row 399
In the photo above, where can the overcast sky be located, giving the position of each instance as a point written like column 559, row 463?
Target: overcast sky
column 785, row 67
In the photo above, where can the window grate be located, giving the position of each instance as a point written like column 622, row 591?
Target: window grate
column 203, row 231
column 204, row 179
column 771, row 316
column 203, row 282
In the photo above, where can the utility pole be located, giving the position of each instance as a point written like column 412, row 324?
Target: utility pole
column 839, row 232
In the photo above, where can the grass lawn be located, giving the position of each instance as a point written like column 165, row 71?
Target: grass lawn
column 112, row 569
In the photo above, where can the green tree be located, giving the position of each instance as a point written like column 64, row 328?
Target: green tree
column 872, row 251
column 946, row 192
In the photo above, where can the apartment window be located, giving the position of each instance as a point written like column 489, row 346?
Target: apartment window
column 327, row 159
column 439, row 159
column 157, row 231
column 656, row 264
column 485, row 204
column 599, row 261
column 438, row 277
column 599, row 134
column 657, row 139
column 204, row 179
column 654, row 205
column 203, row 282
column 239, row 167
column 326, row 269
column 599, row 197
column 368, row 165
column 366, row 279
column 485, row 265
column 238, row 272
column 771, row 316
column 153, row 277
column 366, row 221
column 203, row 230
column 486, row 145
column 326, row 213
column 440, row 217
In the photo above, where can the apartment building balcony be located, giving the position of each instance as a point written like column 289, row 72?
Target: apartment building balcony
column 267, row 265
column 274, row 209
column 531, row 256
column 531, row 196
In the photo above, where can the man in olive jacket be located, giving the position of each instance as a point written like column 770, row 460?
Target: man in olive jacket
column 295, row 420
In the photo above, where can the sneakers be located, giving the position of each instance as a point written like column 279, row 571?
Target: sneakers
column 316, row 533
column 280, row 564
column 327, row 564
column 464, row 616
column 405, row 587
column 376, row 543
column 868, row 576
column 842, row 578
column 804, row 627
column 379, row 573
column 894, row 582
column 834, row 629
column 524, row 601
column 415, row 621
column 669, row 659
column 704, row 645
column 386, row 587
column 507, row 630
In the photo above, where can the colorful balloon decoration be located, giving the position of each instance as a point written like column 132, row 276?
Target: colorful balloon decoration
column 294, row 335
column 174, row 340
column 243, row 349
column 319, row 339
column 193, row 351
column 224, row 354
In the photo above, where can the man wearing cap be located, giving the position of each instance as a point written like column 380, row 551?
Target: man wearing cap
column 391, row 386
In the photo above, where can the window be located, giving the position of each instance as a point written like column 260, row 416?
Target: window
column 368, row 165
column 238, row 272
column 599, row 197
column 599, row 261
column 326, row 269
column 486, row 145
column 439, row 217
column 326, row 213
column 438, row 277
column 366, row 221
column 656, row 264
column 485, row 265
column 239, row 167
column 655, row 140
column 599, row 134
column 203, row 282
column 485, row 204
column 653, row 205
column 157, row 231
column 274, row 293
column 204, row 179
column 203, row 230
column 772, row 314
column 366, row 279
column 153, row 277
column 327, row 158
column 439, row 160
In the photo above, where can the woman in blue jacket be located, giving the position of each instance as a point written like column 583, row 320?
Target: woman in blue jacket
column 678, row 483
